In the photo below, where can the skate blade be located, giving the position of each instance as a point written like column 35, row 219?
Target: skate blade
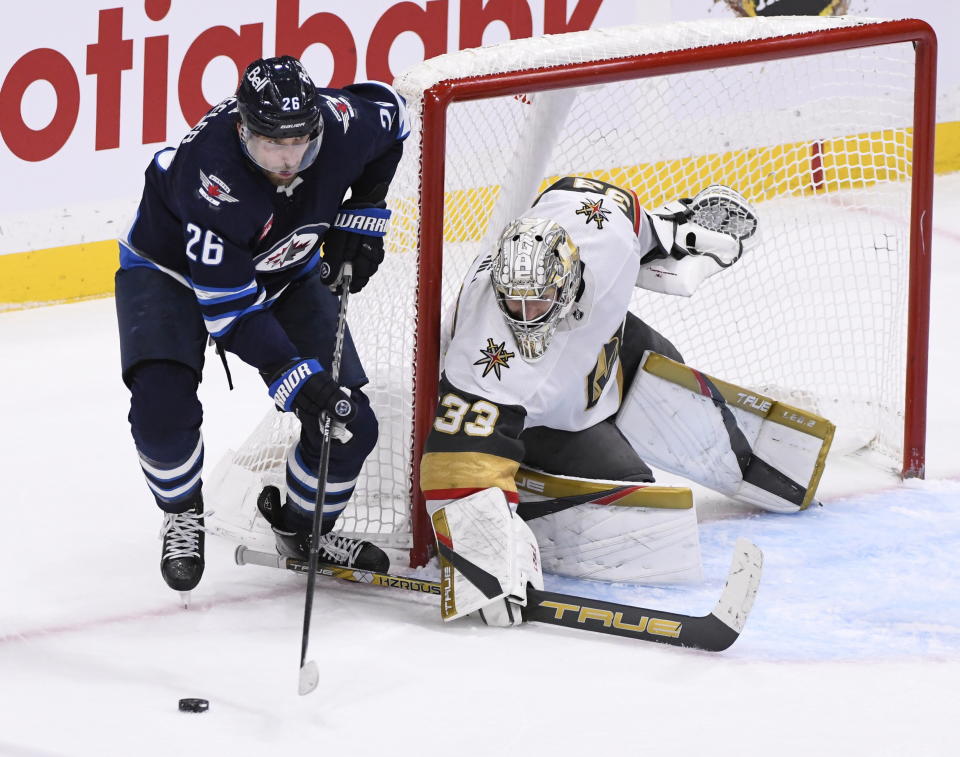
column 309, row 678
column 185, row 598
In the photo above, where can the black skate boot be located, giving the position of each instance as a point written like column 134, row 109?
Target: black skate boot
column 181, row 562
column 293, row 540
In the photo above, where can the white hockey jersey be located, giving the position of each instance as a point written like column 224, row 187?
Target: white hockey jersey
column 578, row 381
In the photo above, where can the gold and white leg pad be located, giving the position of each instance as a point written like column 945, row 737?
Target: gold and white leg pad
column 749, row 447
column 628, row 532
column 488, row 556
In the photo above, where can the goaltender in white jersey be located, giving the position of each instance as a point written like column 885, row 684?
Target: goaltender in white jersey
column 569, row 386
column 545, row 366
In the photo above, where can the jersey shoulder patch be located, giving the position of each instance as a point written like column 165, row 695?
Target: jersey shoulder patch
column 623, row 198
column 209, row 165
column 390, row 105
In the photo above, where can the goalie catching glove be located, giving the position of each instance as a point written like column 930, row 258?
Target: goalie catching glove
column 303, row 387
column 488, row 557
column 689, row 240
column 356, row 237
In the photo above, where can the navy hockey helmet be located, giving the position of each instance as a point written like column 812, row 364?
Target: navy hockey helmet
column 277, row 98
column 278, row 104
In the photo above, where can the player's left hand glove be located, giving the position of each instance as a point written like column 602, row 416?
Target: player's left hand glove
column 356, row 237
column 304, row 387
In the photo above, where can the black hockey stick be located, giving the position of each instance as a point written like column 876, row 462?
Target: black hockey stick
column 309, row 673
column 713, row 632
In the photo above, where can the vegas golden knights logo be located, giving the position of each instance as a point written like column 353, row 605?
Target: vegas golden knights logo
column 607, row 366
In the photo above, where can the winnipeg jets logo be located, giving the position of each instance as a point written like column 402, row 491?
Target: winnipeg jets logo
column 342, row 110
column 495, row 357
column 292, row 250
column 594, row 211
column 214, row 190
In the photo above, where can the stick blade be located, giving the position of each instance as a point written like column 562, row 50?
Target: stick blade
column 743, row 581
column 309, row 678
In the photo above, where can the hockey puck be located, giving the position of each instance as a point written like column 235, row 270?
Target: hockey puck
column 194, row 705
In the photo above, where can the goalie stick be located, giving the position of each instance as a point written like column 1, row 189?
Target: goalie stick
column 713, row 632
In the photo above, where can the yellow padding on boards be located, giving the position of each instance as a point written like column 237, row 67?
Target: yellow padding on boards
column 80, row 271
column 553, row 486
column 57, row 274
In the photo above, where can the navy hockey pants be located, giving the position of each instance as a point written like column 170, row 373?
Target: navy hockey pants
column 162, row 344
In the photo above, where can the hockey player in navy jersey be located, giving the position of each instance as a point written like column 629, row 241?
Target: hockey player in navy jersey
column 239, row 238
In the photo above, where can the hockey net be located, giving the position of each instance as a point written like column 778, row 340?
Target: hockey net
column 814, row 120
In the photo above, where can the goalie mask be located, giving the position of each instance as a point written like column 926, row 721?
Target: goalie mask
column 535, row 277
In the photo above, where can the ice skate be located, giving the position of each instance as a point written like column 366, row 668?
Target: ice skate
column 181, row 561
column 335, row 549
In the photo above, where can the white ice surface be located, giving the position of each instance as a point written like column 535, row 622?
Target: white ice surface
column 853, row 647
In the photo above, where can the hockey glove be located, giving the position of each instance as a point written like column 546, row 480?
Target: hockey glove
column 356, row 237
column 303, row 387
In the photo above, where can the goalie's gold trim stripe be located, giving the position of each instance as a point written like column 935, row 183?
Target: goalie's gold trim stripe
column 553, row 486
column 739, row 397
column 466, row 470
column 448, row 597
column 817, row 470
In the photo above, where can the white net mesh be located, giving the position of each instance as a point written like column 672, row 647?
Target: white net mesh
column 821, row 145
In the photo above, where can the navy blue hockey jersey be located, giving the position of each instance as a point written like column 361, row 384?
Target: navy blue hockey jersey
column 213, row 221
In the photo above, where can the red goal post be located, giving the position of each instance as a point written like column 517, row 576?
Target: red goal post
column 437, row 99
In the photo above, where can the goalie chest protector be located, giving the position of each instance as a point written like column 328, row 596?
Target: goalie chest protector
column 577, row 382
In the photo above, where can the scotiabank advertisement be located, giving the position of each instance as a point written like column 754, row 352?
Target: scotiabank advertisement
column 90, row 90
column 88, row 96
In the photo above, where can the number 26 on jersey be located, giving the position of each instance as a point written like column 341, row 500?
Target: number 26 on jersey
column 211, row 246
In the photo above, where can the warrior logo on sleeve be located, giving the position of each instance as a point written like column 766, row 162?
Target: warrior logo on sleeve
column 594, row 211
column 495, row 357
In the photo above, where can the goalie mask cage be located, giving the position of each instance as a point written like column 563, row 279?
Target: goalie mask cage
column 824, row 124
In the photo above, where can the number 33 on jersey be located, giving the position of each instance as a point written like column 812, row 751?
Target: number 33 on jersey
column 473, row 445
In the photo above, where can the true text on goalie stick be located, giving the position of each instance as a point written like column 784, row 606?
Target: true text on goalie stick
column 713, row 632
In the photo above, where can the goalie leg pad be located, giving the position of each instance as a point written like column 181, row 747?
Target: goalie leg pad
column 488, row 555
column 730, row 439
column 627, row 532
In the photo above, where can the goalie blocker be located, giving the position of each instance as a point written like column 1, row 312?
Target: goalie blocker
column 735, row 441
column 488, row 556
